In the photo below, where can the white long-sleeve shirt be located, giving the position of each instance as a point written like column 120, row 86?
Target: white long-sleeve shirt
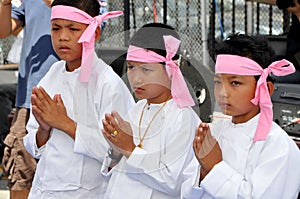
column 256, row 170
column 154, row 171
column 74, row 165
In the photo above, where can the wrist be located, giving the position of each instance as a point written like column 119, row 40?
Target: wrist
column 113, row 156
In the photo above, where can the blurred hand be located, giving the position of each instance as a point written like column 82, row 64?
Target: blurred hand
column 295, row 9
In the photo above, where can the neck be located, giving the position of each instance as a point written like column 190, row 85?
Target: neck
column 160, row 99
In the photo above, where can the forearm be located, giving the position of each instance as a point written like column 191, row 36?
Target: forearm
column 5, row 18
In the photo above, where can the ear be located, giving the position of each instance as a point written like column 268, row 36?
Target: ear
column 97, row 34
column 270, row 86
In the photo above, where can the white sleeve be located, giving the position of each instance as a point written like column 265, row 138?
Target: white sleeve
column 89, row 140
column 275, row 175
column 190, row 188
column 163, row 170
column 30, row 139
column 32, row 125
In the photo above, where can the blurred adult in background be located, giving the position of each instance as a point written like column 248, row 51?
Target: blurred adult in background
column 293, row 38
column 36, row 58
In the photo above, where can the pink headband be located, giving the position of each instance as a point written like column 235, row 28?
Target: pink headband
column 88, row 37
column 179, row 89
column 233, row 64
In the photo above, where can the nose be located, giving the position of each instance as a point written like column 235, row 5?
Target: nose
column 63, row 36
column 135, row 77
column 223, row 92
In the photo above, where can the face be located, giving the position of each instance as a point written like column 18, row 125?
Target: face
column 233, row 94
column 65, row 35
column 149, row 81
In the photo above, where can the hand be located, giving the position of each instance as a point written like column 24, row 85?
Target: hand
column 123, row 141
column 295, row 9
column 206, row 148
column 45, row 127
column 49, row 112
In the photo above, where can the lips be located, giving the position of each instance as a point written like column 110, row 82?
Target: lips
column 64, row 48
column 138, row 90
column 224, row 105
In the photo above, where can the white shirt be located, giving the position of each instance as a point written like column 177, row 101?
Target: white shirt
column 154, row 171
column 262, row 169
column 65, row 164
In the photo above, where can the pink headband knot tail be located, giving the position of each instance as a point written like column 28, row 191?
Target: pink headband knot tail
column 179, row 89
column 262, row 96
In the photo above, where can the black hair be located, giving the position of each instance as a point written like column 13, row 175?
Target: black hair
column 150, row 37
column 91, row 7
column 255, row 47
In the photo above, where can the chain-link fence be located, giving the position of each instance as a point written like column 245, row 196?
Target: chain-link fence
column 223, row 17
column 6, row 46
column 183, row 15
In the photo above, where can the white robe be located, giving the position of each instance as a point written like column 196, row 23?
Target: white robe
column 263, row 169
column 155, row 171
column 70, row 168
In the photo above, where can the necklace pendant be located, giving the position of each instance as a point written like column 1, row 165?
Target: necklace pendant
column 140, row 145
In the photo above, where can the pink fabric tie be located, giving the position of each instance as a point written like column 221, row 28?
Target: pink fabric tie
column 88, row 37
column 233, row 64
column 179, row 89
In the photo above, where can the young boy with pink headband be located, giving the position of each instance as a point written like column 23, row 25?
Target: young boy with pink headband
column 64, row 129
column 249, row 156
column 150, row 147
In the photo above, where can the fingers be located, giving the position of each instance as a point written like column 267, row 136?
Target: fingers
column 40, row 98
column 117, row 117
column 203, row 141
column 108, row 124
column 44, row 95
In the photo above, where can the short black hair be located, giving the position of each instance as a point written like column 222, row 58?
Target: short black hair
column 255, row 47
column 91, row 7
column 150, row 37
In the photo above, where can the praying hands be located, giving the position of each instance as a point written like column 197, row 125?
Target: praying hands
column 51, row 113
column 118, row 133
column 207, row 149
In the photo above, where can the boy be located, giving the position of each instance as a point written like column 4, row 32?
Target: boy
column 34, row 17
column 249, row 156
column 151, row 150
column 69, row 103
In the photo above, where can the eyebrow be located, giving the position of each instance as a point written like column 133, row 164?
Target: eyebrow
column 67, row 26
column 232, row 76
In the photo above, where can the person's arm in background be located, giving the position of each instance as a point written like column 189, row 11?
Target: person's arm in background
column 103, row 9
column 295, row 9
column 8, row 25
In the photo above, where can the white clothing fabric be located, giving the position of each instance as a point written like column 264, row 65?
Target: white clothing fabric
column 69, row 168
column 261, row 169
column 154, row 171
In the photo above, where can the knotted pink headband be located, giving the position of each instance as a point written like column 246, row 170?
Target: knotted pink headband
column 88, row 37
column 179, row 89
column 233, row 64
